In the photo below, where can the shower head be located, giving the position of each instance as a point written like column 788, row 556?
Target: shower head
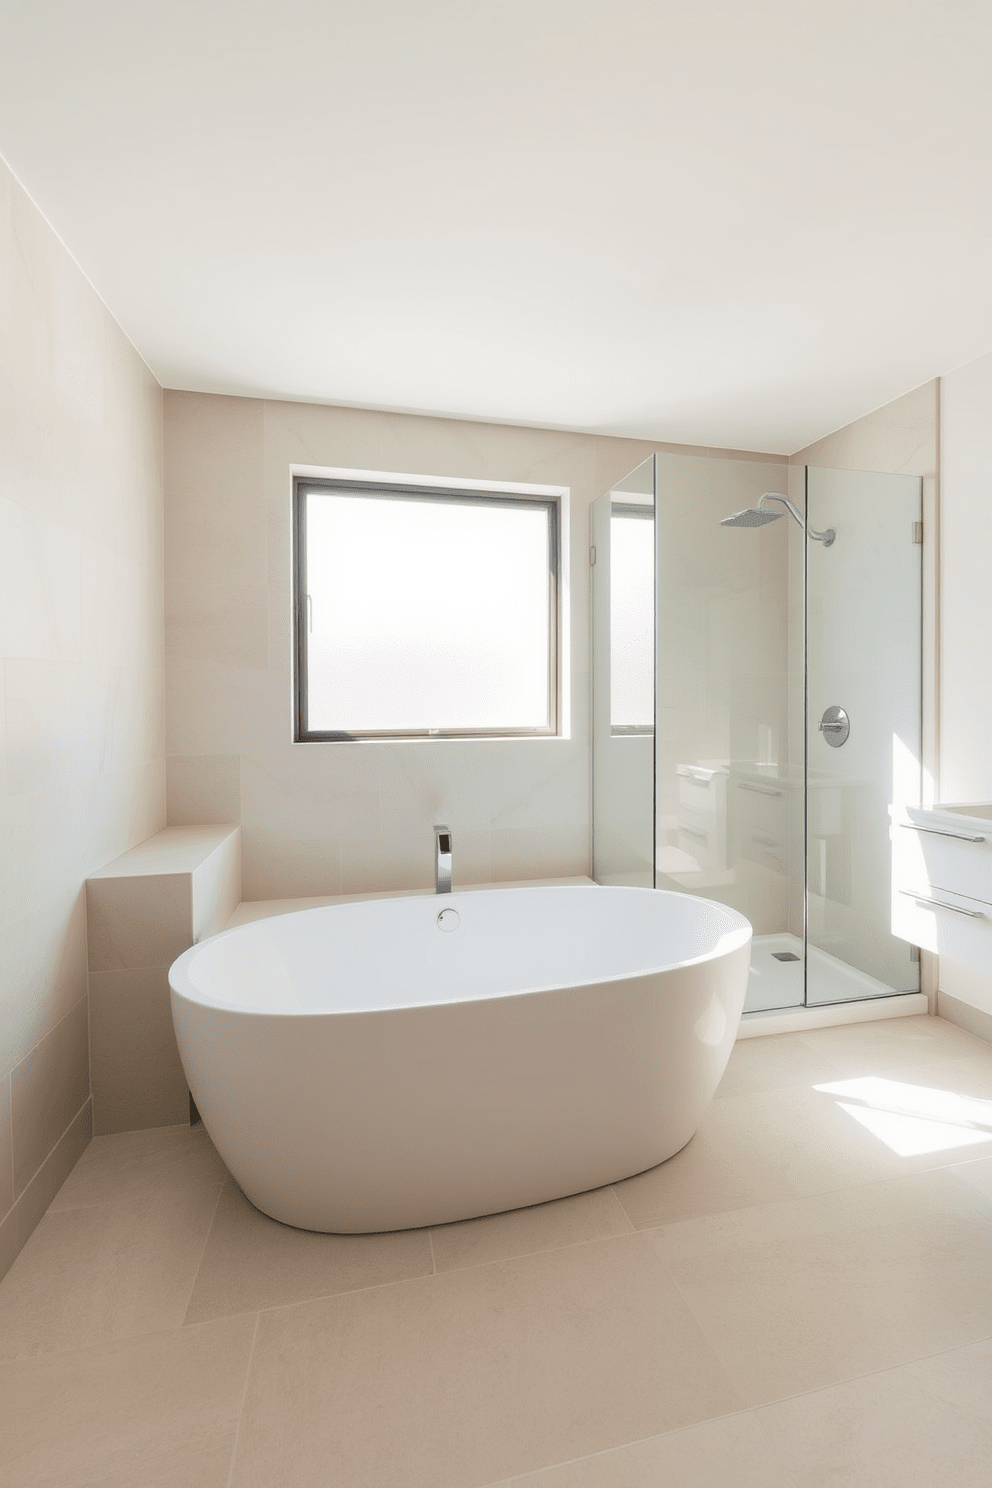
column 751, row 517
column 756, row 516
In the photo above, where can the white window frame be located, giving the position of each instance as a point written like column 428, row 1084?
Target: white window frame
column 439, row 487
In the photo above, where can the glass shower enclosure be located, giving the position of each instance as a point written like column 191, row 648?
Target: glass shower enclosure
column 756, row 638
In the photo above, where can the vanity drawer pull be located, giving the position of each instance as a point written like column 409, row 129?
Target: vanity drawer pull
column 941, row 832
column 761, row 790
column 972, row 914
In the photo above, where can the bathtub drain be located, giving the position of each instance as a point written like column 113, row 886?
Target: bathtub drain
column 448, row 920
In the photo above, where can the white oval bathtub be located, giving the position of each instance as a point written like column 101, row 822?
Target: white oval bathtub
column 361, row 1067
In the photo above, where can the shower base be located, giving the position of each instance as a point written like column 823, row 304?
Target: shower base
column 776, row 986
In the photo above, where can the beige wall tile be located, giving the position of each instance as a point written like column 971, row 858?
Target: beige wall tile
column 137, row 921
column 203, row 788
column 538, row 784
column 81, row 645
column 137, row 1075
column 29, row 1208
column 251, row 1261
column 477, row 1374
column 217, row 888
column 44, row 957
column 216, row 611
column 47, row 1089
column 38, row 556
column 315, row 790
column 160, row 1410
column 278, row 865
column 544, row 852
column 89, row 1275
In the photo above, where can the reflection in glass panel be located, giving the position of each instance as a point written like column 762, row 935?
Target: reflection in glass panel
column 863, row 656
column 631, row 618
column 622, row 546
column 729, row 765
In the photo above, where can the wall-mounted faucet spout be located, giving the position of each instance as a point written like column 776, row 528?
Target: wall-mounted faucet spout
column 442, row 860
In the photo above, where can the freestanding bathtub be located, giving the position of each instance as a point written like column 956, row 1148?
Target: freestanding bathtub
column 404, row 1062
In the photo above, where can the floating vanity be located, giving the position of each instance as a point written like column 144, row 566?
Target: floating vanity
column 942, row 880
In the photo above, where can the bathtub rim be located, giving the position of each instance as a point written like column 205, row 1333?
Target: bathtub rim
column 739, row 931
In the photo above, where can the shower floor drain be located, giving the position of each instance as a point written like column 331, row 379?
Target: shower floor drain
column 785, row 955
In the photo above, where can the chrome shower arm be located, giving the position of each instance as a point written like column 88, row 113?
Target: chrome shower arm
column 826, row 537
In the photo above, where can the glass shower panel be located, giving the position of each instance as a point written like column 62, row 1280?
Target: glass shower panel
column 623, row 627
column 728, row 758
column 863, row 649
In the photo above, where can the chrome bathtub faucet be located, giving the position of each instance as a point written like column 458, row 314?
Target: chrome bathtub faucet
column 442, row 860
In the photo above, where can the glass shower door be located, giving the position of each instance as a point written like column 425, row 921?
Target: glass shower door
column 863, row 653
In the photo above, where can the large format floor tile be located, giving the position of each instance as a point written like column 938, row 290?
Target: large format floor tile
column 251, row 1261
column 139, row 1164
column 925, row 1424
column 893, row 1043
column 859, row 1129
column 805, row 1293
column 775, row 1062
column 977, row 1174
column 498, row 1237
column 105, row 1271
column 154, row 1412
column 720, row 1169
column 469, row 1377
column 730, row 1453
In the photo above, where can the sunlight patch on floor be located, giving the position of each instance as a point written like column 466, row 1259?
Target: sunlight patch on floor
column 913, row 1119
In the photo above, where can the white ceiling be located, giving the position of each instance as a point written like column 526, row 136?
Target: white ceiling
column 718, row 223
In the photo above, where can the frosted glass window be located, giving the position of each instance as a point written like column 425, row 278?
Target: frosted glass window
column 422, row 614
column 632, row 620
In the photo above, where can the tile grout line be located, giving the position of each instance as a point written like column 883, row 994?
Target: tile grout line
column 244, row 1398
column 412, row 1280
column 430, row 1241
column 203, row 1251
column 613, row 1190
column 637, row 1441
column 801, row 1394
column 10, row 1128
column 48, row 1155
column 777, row 1449
column 852, row 1379
column 627, row 1215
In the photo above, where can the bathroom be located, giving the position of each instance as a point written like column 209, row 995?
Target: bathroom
column 145, row 583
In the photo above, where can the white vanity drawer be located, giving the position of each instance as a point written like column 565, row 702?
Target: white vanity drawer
column 946, row 859
column 952, row 925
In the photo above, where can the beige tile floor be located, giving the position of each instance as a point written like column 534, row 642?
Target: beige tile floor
column 801, row 1298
